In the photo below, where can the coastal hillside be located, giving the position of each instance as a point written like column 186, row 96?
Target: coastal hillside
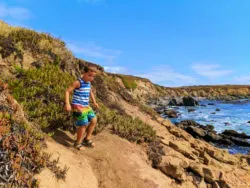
column 135, row 147
column 143, row 89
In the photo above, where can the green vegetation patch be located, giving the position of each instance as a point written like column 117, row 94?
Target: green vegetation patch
column 16, row 41
column 148, row 110
column 41, row 92
column 133, row 129
column 129, row 82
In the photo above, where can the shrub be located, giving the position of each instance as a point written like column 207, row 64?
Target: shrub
column 129, row 82
column 155, row 152
column 20, row 154
column 41, row 92
column 125, row 126
column 112, row 84
column 16, row 41
column 133, row 129
column 150, row 111
column 105, row 117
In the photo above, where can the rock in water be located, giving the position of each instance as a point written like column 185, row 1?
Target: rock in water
column 187, row 123
column 171, row 113
column 159, row 110
column 173, row 102
column 235, row 134
column 207, row 133
column 211, row 104
column 189, row 101
column 210, row 127
column 191, row 110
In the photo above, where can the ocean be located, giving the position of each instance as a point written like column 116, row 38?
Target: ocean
column 231, row 115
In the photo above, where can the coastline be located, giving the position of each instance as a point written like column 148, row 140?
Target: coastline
column 213, row 114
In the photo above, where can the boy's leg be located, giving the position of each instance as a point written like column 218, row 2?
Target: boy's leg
column 80, row 132
column 91, row 128
column 81, row 124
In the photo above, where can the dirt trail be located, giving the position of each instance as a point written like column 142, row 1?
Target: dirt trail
column 114, row 162
column 79, row 175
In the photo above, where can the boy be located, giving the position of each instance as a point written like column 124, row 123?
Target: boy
column 82, row 112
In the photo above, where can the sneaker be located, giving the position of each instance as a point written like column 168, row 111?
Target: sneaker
column 77, row 146
column 88, row 143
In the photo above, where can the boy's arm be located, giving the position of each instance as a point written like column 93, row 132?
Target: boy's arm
column 76, row 84
column 93, row 98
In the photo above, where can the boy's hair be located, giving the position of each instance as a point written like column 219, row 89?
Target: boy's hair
column 90, row 68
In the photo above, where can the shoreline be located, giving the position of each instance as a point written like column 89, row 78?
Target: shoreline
column 212, row 111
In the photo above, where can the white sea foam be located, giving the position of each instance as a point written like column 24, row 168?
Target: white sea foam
column 230, row 116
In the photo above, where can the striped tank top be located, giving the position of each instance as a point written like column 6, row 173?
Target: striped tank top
column 81, row 94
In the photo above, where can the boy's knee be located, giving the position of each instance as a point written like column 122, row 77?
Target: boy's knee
column 81, row 127
column 94, row 120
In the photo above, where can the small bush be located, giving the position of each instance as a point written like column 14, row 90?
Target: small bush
column 125, row 126
column 129, row 82
column 112, row 84
column 155, row 153
column 41, row 92
column 105, row 117
column 133, row 129
column 148, row 110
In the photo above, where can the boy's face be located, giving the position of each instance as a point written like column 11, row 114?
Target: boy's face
column 89, row 76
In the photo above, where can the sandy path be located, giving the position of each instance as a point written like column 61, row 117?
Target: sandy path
column 114, row 162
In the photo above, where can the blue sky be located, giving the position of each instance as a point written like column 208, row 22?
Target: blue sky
column 171, row 42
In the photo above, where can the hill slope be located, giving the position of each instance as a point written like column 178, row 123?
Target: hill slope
column 38, row 68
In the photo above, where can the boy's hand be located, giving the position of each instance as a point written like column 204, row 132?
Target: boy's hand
column 67, row 107
column 96, row 105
